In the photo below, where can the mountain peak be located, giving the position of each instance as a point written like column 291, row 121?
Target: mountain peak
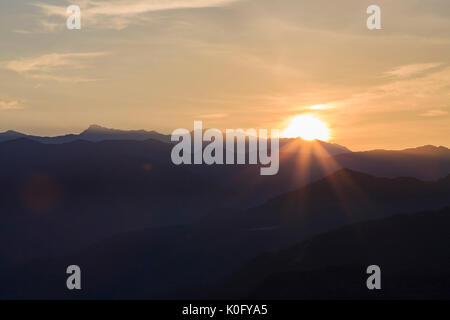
column 316, row 147
column 10, row 135
column 428, row 149
column 97, row 128
column 97, row 133
column 11, row 132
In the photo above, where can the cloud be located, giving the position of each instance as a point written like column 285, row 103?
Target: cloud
column 47, row 66
column 412, row 69
column 402, row 94
column 21, row 31
column 434, row 113
column 64, row 79
column 44, row 26
column 10, row 105
column 49, row 26
column 213, row 116
column 47, row 62
column 119, row 14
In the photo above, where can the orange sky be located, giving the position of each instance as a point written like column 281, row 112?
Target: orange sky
column 161, row 65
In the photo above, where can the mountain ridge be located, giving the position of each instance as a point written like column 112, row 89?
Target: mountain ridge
column 411, row 251
column 142, row 134
column 185, row 255
column 93, row 133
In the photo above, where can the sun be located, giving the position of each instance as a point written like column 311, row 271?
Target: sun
column 307, row 127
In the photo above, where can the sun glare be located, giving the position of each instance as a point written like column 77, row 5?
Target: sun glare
column 307, row 127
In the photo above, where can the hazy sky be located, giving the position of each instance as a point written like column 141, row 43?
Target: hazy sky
column 161, row 64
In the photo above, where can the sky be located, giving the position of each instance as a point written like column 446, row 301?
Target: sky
column 161, row 64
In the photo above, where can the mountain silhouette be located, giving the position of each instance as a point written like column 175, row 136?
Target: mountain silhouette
column 302, row 161
column 11, row 135
column 113, row 200
column 94, row 133
column 114, row 179
column 316, row 148
column 53, row 191
column 171, row 261
column 411, row 250
column 426, row 162
column 97, row 133
column 347, row 196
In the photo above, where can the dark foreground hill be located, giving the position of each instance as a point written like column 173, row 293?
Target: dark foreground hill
column 55, row 197
column 172, row 261
column 412, row 251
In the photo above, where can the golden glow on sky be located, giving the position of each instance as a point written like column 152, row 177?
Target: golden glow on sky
column 318, row 107
column 162, row 64
column 307, row 127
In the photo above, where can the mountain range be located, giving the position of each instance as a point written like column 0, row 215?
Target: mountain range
column 162, row 262
column 94, row 133
column 411, row 250
column 142, row 227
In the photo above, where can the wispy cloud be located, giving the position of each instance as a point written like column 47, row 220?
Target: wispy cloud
column 213, row 116
column 48, row 62
column 412, row 69
column 402, row 94
column 9, row 105
column 434, row 113
column 43, row 26
column 119, row 14
column 21, row 31
column 49, row 26
column 48, row 66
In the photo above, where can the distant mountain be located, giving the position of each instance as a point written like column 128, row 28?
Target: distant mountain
column 412, row 251
column 427, row 162
column 98, row 133
column 11, row 135
column 317, row 148
column 301, row 161
column 253, row 188
column 94, row 133
column 429, row 150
